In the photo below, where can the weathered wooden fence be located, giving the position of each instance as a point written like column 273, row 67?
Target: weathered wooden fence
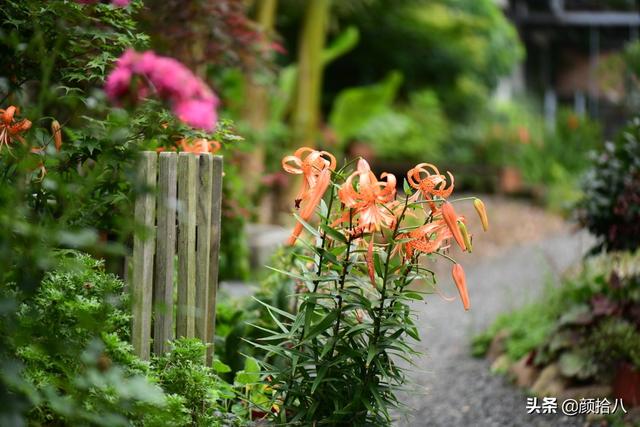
column 182, row 217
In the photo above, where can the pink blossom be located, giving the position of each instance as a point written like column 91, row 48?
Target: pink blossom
column 118, row 82
column 197, row 113
column 191, row 99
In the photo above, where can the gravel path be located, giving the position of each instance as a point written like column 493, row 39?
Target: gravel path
column 453, row 389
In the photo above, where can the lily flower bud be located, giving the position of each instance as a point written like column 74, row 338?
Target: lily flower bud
column 461, row 283
column 482, row 213
column 57, row 134
column 465, row 235
column 451, row 219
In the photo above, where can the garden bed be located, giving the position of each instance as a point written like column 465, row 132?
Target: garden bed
column 580, row 341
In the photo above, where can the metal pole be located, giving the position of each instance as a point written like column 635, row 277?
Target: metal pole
column 594, row 54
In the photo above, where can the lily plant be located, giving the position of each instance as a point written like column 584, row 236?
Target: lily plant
column 357, row 266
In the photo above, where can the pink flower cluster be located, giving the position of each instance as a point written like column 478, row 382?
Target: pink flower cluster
column 191, row 99
column 118, row 3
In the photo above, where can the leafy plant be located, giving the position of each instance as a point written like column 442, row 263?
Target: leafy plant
column 238, row 322
column 611, row 206
column 205, row 397
column 79, row 369
column 527, row 328
column 368, row 114
column 68, row 181
column 457, row 49
column 355, row 107
column 56, row 195
column 588, row 325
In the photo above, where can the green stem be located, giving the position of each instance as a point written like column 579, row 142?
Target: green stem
column 324, row 238
column 369, row 373
column 315, row 285
column 343, row 278
column 446, row 256
column 383, row 292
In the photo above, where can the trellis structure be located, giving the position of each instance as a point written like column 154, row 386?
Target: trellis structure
column 181, row 217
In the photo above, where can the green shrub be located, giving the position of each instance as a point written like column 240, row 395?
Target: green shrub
column 205, row 396
column 527, row 329
column 240, row 321
column 54, row 56
column 588, row 324
column 72, row 342
column 611, row 206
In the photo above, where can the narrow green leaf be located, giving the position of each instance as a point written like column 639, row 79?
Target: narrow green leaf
column 333, row 233
column 307, row 226
column 277, row 310
column 322, row 326
column 321, row 373
column 371, row 353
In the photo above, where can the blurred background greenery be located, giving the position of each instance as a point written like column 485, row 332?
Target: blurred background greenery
column 510, row 95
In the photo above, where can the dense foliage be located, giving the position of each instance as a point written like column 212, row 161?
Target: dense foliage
column 79, row 368
column 412, row 76
column 611, row 207
column 82, row 370
column 67, row 173
column 457, row 48
column 67, row 205
column 219, row 34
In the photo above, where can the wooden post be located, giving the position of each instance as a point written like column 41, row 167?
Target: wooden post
column 187, row 175
column 165, row 253
column 189, row 190
column 216, row 209
column 203, row 227
column 143, row 252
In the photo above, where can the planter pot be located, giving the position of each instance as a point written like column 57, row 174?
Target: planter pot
column 361, row 149
column 626, row 385
column 510, row 180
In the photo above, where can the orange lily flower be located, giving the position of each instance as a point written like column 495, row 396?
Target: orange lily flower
column 199, row 146
column 461, row 283
column 309, row 163
column 11, row 129
column 373, row 201
column 451, row 219
column 429, row 184
column 426, row 239
column 315, row 167
column 309, row 205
